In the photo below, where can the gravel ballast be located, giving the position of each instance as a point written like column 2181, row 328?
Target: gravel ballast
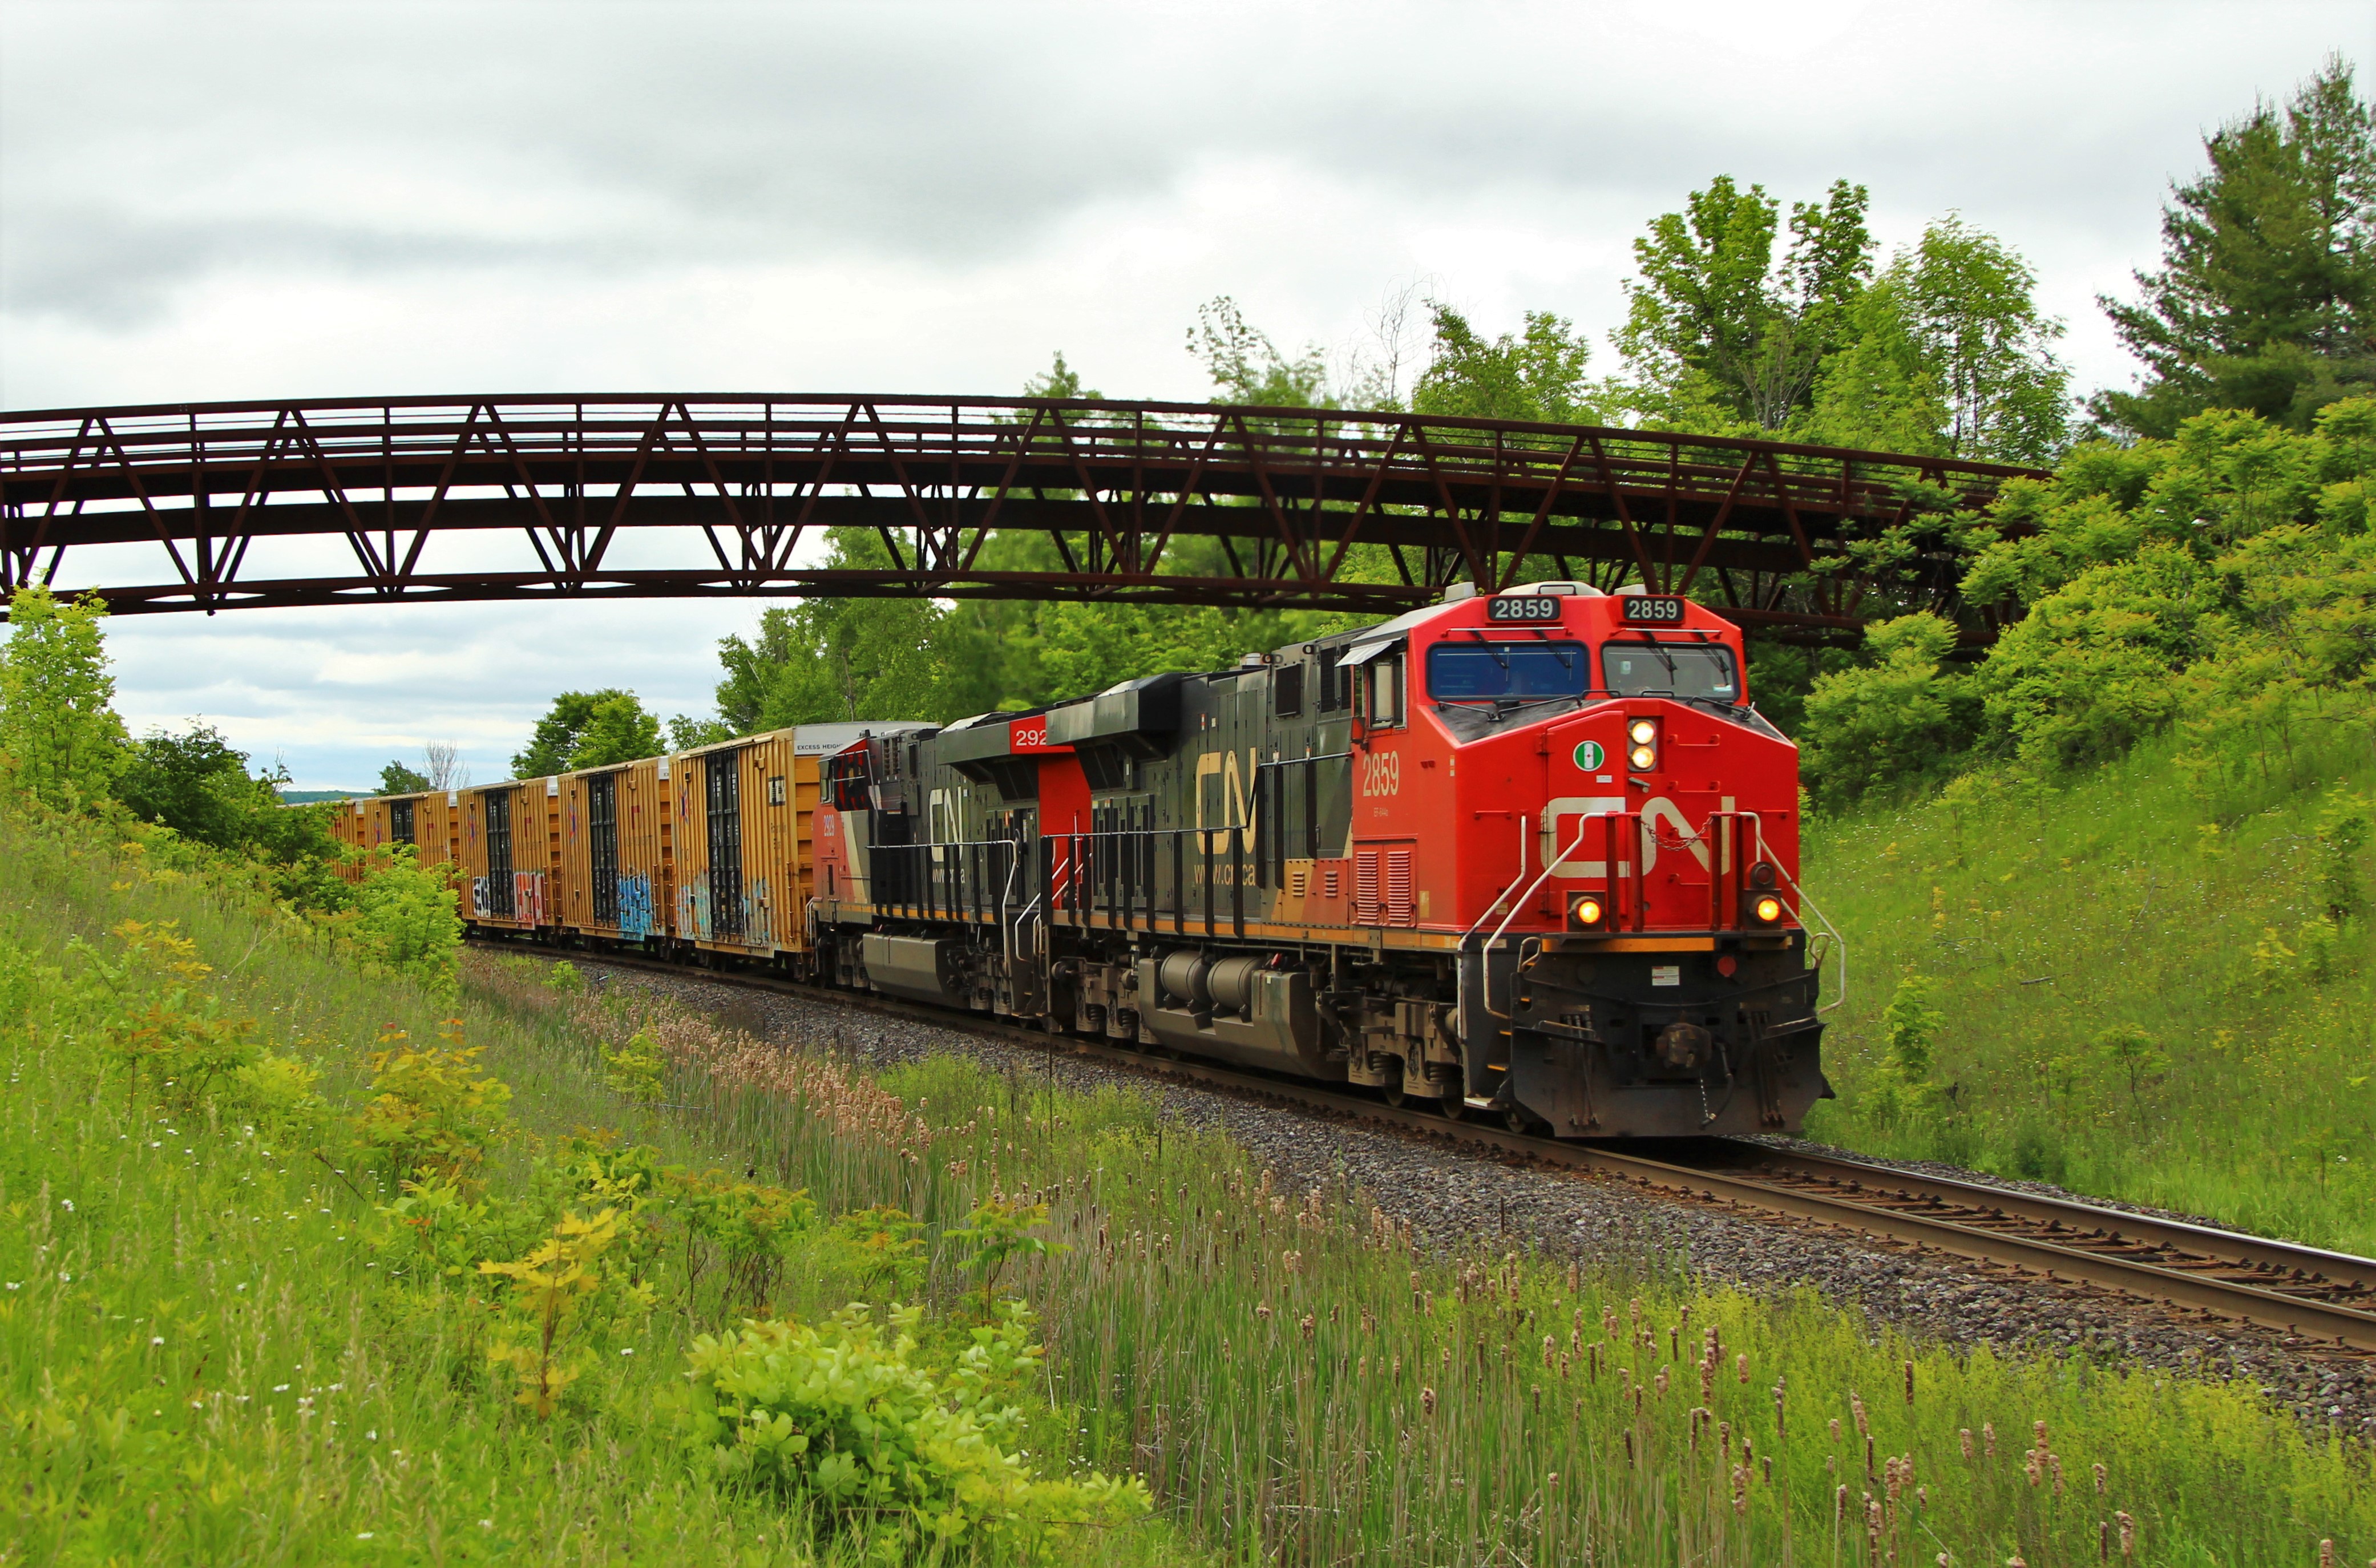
column 1457, row 1197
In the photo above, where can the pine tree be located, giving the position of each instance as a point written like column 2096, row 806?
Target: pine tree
column 2266, row 299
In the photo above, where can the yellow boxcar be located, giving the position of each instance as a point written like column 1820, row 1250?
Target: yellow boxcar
column 423, row 821
column 740, row 823
column 510, row 843
column 614, row 850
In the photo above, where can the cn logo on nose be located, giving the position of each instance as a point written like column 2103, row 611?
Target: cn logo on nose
column 1589, row 755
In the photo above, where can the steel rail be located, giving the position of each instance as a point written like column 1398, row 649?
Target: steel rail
column 732, row 483
column 2196, row 1279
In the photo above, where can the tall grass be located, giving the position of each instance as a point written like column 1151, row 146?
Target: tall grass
column 1299, row 1382
column 2159, row 895
column 1302, row 1385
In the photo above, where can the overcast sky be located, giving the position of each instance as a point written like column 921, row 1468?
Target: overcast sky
column 215, row 200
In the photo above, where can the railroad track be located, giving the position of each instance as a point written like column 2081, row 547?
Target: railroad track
column 2302, row 1291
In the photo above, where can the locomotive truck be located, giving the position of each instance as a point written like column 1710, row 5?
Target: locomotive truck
column 1528, row 854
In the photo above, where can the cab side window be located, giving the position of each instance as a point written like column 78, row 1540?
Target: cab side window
column 1382, row 687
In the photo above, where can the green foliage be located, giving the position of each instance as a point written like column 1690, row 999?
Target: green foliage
column 2268, row 271
column 434, row 1113
column 2144, row 992
column 406, row 919
column 635, row 1070
column 396, row 779
column 227, row 1298
column 837, row 660
column 994, row 1235
column 1890, row 724
column 749, row 1226
column 1902, row 1092
column 1247, row 367
column 841, row 1418
column 2341, row 831
column 1946, row 352
column 882, row 1249
column 2132, row 1053
column 1714, row 323
column 196, row 784
column 2093, row 667
column 685, row 732
column 549, row 1295
column 61, row 743
column 588, row 729
column 1536, row 375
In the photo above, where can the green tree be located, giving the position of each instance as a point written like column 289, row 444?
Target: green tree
column 1947, row 353
column 617, row 730
column 398, row 780
column 1537, row 373
column 833, row 660
column 563, row 730
column 1717, row 334
column 2268, row 274
column 685, row 731
column 1247, row 367
column 61, row 742
column 199, row 785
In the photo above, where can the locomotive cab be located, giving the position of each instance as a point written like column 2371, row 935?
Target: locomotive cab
column 1633, row 962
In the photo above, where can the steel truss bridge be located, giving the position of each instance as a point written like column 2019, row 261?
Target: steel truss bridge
column 398, row 500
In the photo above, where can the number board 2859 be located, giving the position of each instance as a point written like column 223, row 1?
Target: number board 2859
column 1524, row 607
column 1642, row 609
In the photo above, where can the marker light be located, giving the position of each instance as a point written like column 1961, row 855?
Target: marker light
column 1642, row 732
column 1768, row 910
column 1586, row 910
column 1642, row 759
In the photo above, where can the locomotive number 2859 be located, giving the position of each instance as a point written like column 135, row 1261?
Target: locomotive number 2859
column 1524, row 607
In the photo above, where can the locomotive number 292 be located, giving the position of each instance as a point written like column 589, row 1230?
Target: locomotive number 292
column 1381, row 773
column 1524, row 607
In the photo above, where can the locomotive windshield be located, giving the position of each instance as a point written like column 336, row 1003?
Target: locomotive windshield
column 1506, row 672
column 1702, row 671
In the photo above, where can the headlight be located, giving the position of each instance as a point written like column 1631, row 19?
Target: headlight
column 1768, row 909
column 1642, row 732
column 1587, row 911
column 1642, row 759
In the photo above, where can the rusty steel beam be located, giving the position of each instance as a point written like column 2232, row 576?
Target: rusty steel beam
column 732, row 486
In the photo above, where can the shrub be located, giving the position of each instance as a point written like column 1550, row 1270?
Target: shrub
column 432, row 1112
column 1893, row 723
column 546, row 1305
column 839, row 1418
column 405, row 921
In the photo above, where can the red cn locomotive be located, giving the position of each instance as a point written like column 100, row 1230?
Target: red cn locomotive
column 1529, row 854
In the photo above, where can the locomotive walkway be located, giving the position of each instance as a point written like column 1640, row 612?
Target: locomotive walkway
column 426, row 500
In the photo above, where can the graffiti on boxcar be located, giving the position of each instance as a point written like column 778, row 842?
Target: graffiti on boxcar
column 634, row 905
column 754, row 915
column 480, row 905
column 527, row 898
column 692, row 909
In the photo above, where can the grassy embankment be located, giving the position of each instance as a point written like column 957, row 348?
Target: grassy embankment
column 2139, row 998
column 205, row 1357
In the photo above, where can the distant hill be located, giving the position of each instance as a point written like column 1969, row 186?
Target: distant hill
column 302, row 797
